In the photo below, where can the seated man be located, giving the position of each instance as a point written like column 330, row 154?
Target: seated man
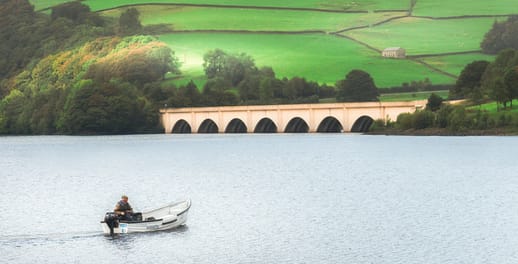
column 123, row 209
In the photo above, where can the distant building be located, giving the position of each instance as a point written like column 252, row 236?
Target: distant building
column 395, row 52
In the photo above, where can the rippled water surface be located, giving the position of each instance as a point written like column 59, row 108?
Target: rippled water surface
column 315, row 198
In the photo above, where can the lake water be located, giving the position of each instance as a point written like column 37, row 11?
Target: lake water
column 302, row 198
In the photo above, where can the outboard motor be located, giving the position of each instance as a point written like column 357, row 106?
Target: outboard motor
column 112, row 220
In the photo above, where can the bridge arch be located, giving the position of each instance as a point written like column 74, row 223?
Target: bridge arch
column 265, row 125
column 330, row 125
column 362, row 124
column 297, row 125
column 208, row 126
column 181, row 127
column 236, row 126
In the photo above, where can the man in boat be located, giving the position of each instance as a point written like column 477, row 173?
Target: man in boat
column 123, row 209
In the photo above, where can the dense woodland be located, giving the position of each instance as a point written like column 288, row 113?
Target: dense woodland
column 75, row 72
column 86, row 77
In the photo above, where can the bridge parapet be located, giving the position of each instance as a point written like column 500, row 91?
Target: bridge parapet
column 329, row 117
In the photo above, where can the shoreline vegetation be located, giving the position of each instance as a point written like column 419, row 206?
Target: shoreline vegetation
column 444, row 132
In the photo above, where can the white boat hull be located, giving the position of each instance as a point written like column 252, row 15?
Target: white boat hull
column 163, row 218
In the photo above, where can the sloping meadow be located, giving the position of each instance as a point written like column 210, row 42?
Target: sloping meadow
column 321, row 57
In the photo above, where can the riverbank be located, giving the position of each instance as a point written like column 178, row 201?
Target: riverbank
column 446, row 132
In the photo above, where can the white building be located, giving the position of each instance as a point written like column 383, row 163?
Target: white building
column 395, row 52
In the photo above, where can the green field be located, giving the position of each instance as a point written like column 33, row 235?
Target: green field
column 427, row 36
column 207, row 18
column 358, row 5
column 319, row 57
column 454, row 64
column 437, row 8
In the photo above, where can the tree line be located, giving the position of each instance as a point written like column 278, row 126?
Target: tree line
column 483, row 80
column 234, row 79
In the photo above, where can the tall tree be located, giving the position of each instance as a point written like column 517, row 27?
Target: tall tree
column 214, row 63
column 358, row 86
column 238, row 67
column 469, row 79
column 129, row 22
column 503, row 35
column 493, row 80
column 511, row 83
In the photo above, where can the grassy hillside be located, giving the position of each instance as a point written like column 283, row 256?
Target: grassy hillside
column 454, row 64
column 210, row 18
column 315, row 56
column 233, row 25
column 426, row 36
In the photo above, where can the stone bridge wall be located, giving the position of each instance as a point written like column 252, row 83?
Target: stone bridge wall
column 345, row 114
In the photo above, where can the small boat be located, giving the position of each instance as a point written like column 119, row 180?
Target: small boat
column 163, row 218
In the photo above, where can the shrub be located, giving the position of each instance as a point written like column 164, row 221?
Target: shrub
column 404, row 121
column 443, row 116
column 434, row 102
column 457, row 119
column 423, row 119
column 378, row 125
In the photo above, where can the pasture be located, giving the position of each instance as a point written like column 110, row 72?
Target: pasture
column 338, row 5
column 454, row 64
column 426, row 36
column 434, row 8
column 231, row 19
column 318, row 57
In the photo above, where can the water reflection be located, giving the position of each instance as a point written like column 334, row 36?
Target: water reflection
column 128, row 241
column 122, row 242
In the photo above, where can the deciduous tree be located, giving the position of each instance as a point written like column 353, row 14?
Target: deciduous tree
column 434, row 102
column 358, row 86
column 129, row 22
column 469, row 79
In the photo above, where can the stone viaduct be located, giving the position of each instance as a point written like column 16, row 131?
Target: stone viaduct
column 296, row 118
